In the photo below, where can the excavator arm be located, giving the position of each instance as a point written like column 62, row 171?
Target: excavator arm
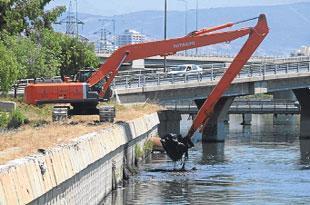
column 195, row 39
column 177, row 146
column 256, row 36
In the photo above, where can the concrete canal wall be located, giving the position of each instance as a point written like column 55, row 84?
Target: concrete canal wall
column 83, row 171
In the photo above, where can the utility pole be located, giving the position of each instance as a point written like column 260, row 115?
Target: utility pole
column 76, row 19
column 197, row 10
column 185, row 19
column 165, row 33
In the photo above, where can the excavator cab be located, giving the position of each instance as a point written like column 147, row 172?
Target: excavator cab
column 84, row 75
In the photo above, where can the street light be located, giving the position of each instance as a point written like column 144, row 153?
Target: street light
column 186, row 8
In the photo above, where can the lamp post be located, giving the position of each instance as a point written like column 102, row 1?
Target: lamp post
column 185, row 18
column 165, row 32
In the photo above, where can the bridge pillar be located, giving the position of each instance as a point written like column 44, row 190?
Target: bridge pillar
column 169, row 122
column 280, row 119
column 303, row 96
column 246, row 119
column 213, row 153
column 215, row 130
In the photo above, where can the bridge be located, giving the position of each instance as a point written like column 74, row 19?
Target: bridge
column 253, row 79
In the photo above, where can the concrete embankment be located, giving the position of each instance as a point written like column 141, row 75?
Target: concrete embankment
column 83, row 171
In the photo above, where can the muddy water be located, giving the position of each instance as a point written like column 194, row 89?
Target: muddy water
column 260, row 164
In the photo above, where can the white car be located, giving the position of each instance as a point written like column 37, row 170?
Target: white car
column 181, row 70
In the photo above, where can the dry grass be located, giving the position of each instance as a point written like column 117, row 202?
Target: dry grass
column 28, row 139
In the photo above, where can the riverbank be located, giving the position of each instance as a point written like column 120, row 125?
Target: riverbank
column 41, row 133
column 81, row 171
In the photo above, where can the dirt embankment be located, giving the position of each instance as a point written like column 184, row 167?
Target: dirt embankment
column 42, row 133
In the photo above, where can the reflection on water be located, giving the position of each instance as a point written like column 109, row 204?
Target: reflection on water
column 305, row 152
column 260, row 164
column 212, row 153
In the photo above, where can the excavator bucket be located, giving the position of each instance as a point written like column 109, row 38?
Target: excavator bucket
column 175, row 146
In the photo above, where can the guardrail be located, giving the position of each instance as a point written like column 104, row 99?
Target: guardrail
column 242, row 106
column 211, row 74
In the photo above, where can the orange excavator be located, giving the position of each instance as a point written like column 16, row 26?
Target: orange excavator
column 85, row 93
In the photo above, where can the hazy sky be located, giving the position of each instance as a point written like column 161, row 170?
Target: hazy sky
column 114, row 7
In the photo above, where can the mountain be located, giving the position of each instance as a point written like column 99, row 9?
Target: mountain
column 289, row 25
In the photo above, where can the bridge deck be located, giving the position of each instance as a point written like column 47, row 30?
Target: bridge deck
column 244, row 107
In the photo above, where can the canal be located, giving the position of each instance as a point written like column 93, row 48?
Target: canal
column 265, row 163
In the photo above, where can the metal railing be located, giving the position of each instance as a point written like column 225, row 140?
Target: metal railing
column 241, row 107
column 210, row 74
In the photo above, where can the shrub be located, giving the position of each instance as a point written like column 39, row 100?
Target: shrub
column 16, row 120
column 148, row 146
column 138, row 151
column 4, row 120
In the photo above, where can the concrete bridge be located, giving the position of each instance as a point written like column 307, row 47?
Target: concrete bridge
column 253, row 79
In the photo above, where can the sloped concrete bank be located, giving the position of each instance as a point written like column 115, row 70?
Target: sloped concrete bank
column 83, row 171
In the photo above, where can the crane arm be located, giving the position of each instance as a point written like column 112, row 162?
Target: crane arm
column 196, row 39
column 256, row 36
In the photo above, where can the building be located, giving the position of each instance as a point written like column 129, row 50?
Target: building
column 130, row 37
column 303, row 51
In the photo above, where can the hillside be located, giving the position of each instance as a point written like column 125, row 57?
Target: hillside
column 289, row 25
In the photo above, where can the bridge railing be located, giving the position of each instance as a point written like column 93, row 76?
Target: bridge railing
column 211, row 74
column 241, row 106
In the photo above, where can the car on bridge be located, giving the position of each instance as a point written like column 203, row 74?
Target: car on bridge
column 185, row 69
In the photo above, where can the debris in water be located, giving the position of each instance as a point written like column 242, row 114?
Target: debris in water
column 172, row 170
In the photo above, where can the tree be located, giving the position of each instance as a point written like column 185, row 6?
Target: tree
column 76, row 55
column 18, row 16
column 8, row 68
column 26, row 30
column 33, row 59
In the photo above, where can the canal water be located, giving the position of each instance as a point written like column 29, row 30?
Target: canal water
column 264, row 163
